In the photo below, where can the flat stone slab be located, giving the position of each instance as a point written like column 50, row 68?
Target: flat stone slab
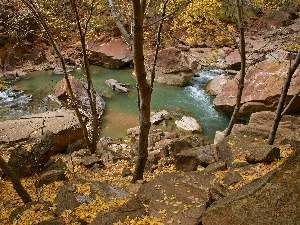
column 33, row 126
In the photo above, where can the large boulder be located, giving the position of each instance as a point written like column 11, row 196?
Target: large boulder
column 190, row 159
column 188, row 124
column 233, row 60
column 69, row 196
column 263, row 83
column 113, row 54
column 30, row 158
column 63, row 123
column 260, row 124
column 214, row 86
column 279, row 18
column 131, row 209
column 80, row 91
column 273, row 199
column 173, row 66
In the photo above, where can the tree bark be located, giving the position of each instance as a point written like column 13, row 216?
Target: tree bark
column 15, row 181
column 243, row 68
column 94, row 137
column 282, row 99
column 144, row 90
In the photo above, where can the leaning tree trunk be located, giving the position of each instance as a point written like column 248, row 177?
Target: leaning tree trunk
column 37, row 14
column 15, row 181
column 281, row 102
column 243, row 68
column 144, row 90
column 121, row 27
column 94, row 137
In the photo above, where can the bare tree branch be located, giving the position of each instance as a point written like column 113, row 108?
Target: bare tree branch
column 90, row 91
column 158, row 41
column 243, row 68
column 34, row 9
column 285, row 88
column 122, row 29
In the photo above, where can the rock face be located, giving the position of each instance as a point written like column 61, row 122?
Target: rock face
column 263, row 83
column 272, row 199
column 27, row 159
column 131, row 209
column 180, row 195
column 237, row 153
column 80, row 92
column 113, row 54
column 189, row 160
column 173, row 67
column 68, row 196
column 279, row 18
column 260, row 123
column 233, row 59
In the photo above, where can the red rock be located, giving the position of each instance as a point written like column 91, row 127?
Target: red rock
column 263, row 83
column 113, row 54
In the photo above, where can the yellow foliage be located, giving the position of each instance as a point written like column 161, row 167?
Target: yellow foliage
column 147, row 220
column 199, row 19
column 89, row 211
column 33, row 215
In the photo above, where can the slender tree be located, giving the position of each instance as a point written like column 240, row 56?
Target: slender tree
column 90, row 140
column 94, row 137
column 144, row 88
column 280, row 107
column 239, row 6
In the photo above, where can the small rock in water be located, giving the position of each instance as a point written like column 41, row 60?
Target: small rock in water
column 158, row 117
column 59, row 71
column 188, row 124
column 116, row 85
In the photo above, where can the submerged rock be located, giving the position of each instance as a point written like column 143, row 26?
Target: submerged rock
column 117, row 86
column 159, row 117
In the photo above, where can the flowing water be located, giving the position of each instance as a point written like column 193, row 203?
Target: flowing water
column 121, row 109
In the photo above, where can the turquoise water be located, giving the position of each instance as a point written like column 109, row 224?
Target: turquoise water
column 121, row 108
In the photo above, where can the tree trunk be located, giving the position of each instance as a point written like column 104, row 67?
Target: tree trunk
column 281, row 102
column 144, row 91
column 243, row 68
column 33, row 8
column 122, row 29
column 15, row 181
column 94, row 137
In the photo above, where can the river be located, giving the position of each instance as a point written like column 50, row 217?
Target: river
column 121, row 109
